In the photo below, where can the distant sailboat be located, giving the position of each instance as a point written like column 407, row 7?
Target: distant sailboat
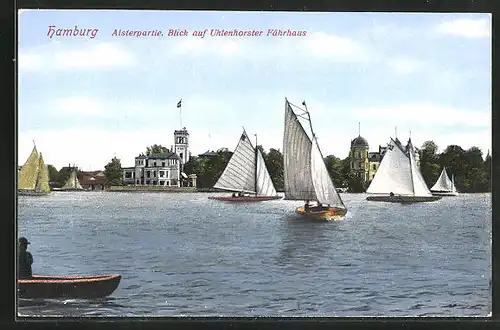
column 398, row 178
column 246, row 175
column 72, row 183
column 33, row 178
column 306, row 177
column 444, row 186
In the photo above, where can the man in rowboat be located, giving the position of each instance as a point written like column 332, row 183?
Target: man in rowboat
column 25, row 259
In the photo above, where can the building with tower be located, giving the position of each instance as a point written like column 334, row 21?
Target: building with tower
column 364, row 164
column 162, row 169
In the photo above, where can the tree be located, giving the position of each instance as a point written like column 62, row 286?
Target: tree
column 334, row 167
column 113, row 172
column 156, row 149
column 64, row 174
column 53, row 173
column 274, row 164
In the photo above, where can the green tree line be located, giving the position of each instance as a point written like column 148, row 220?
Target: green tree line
column 471, row 172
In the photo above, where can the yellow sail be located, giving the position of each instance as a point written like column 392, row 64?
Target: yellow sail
column 28, row 174
column 72, row 183
column 42, row 183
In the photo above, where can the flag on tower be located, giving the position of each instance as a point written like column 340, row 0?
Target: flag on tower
column 179, row 103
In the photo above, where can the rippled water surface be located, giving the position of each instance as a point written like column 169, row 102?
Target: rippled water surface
column 183, row 254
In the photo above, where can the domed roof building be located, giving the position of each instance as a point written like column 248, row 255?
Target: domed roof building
column 359, row 142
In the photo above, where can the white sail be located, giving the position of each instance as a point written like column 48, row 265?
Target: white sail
column 443, row 183
column 394, row 173
column 419, row 186
column 305, row 174
column 72, row 182
column 296, row 159
column 239, row 174
column 264, row 184
column 453, row 188
column 323, row 185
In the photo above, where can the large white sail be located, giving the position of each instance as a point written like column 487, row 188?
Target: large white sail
column 239, row 174
column 419, row 186
column 323, row 185
column 264, row 184
column 394, row 173
column 72, row 182
column 305, row 174
column 42, row 183
column 443, row 183
column 296, row 159
column 28, row 174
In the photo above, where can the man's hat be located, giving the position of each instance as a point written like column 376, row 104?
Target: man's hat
column 23, row 240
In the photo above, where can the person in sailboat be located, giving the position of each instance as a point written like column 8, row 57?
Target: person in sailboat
column 391, row 194
column 306, row 206
column 234, row 195
column 25, row 259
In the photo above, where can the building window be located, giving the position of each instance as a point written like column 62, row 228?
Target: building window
column 133, row 175
column 163, row 164
column 154, row 183
column 128, row 175
column 148, row 174
column 374, row 166
column 137, row 182
column 168, row 183
column 180, row 155
column 154, row 174
column 155, row 164
column 166, row 174
column 162, row 183
column 162, row 173
column 147, row 181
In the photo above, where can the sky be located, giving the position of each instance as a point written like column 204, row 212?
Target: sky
column 86, row 99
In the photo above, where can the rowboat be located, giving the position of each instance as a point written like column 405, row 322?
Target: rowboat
column 68, row 286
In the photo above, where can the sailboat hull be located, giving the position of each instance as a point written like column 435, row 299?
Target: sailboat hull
column 444, row 193
column 329, row 214
column 403, row 199
column 32, row 193
column 246, row 199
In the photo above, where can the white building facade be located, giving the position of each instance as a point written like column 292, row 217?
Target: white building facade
column 161, row 169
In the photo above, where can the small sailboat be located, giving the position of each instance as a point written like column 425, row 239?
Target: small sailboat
column 33, row 178
column 306, row 177
column 398, row 178
column 246, row 175
column 72, row 183
column 444, row 186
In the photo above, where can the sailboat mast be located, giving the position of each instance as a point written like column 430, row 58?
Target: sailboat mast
column 256, row 167
column 314, row 137
column 410, row 151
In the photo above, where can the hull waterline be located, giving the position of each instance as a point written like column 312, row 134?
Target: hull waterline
column 245, row 199
column 403, row 199
column 444, row 193
column 32, row 193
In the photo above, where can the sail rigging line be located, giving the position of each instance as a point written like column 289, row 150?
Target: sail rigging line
column 255, row 174
column 411, row 168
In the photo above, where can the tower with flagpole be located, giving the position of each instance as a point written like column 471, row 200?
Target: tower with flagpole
column 181, row 139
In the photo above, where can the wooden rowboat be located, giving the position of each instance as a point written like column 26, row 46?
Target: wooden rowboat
column 244, row 198
column 68, row 286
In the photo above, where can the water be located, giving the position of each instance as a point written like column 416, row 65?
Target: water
column 186, row 255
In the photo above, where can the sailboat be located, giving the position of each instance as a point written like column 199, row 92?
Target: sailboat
column 306, row 177
column 444, row 186
column 246, row 175
column 72, row 183
column 33, row 178
column 398, row 178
